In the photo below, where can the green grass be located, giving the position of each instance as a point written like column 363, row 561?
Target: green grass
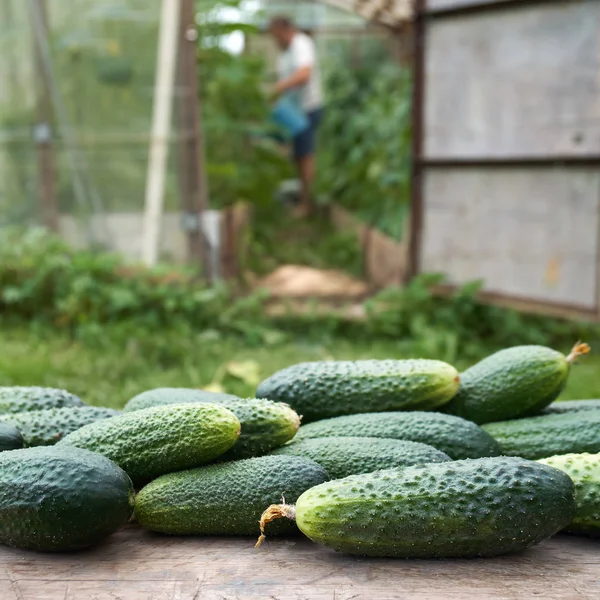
column 111, row 373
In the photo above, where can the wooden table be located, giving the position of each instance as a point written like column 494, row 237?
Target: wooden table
column 138, row 565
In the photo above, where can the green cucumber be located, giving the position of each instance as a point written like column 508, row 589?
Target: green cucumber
column 584, row 470
column 226, row 498
column 452, row 435
column 344, row 456
column 265, row 425
column 515, row 382
column 548, row 435
column 47, row 427
column 151, row 442
column 569, row 406
column 10, row 437
column 162, row 396
column 469, row 508
column 319, row 390
column 17, row 399
column 58, row 499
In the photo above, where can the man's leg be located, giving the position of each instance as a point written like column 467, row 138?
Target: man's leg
column 304, row 155
column 306, row 172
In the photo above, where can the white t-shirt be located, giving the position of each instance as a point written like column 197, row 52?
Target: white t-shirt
column 302, row 52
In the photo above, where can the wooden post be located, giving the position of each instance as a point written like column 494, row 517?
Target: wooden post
column 191, row 147
column 161, row 127
column 43, row 132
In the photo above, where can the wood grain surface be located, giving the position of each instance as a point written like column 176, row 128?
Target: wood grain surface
column 138, row 565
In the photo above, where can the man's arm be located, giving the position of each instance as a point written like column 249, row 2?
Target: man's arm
column 300, row 77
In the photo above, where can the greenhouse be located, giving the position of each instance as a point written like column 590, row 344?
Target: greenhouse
column 94, row 56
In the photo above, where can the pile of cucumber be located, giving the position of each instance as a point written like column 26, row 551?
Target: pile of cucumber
column 396, row 458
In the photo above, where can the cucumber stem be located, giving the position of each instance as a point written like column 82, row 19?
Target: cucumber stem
column 579, row 349
column 274, row 512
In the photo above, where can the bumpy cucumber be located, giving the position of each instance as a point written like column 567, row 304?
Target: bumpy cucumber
column 470, row 508
column 17, row 399
column 548, row 435
column 571, row 406
column 344, row 456
column 452, row 435
column 227, row 498
column 57, row 499
column 584, row 470
column 319, row 390
column 162, row 396
column 512, row 383
column 47, row 427
column 265, row 425
column 151, row 442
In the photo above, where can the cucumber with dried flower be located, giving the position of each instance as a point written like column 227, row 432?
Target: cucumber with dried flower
column 515, row 382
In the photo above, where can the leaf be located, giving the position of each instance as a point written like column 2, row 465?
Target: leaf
column 247, row 371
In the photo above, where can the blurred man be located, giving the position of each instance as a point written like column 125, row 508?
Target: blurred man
column 299, row 76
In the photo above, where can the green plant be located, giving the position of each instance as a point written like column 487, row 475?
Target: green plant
column 242, row 160
column 43, row 279
column 45, row 283
column 110, row 367
column 364, row 161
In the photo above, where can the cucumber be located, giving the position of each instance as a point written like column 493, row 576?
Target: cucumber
column 162, row 396
column 469, row 508
column 452, row 435
column 151, row 442
column 17, row 399
column 265, row 425
column 548, row 435
column 47, row 427
column 227, row 498
column 569, row 406
column 512, row 383
column 584, row 470
column 10, row 437
column 344, row 456
column 318, row 390
column 58, row 499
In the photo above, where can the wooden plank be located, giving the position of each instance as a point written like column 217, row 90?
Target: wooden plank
column 523, row 82
column 191, row 159
column 235, row 229
column 386, row 260
column 527, row 234
column 138, row 565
